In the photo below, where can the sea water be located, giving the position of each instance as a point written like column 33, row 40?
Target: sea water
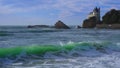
column 22, row 47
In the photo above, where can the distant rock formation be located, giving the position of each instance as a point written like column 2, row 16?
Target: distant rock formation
column 78, row 27
column 61, row 25
column 93, row 19
column 112, row 17
column 95, row 13
column 90, row 23
column 111, row 20
column 38, row 26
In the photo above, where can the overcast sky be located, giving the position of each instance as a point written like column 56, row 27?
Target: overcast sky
column 32, row 12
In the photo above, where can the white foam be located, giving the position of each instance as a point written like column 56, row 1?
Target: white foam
column 61, row 43
column 118, row 44
column 70, row 42
column 104, row 61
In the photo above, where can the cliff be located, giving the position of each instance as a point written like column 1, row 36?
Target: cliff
column 93, row 19
column 90, row 23
column 111, row 20
column 112, row 17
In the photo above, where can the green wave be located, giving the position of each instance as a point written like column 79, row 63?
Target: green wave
column 42, row 49
column 37, row 50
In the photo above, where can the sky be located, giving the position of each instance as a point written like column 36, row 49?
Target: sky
column 48, row 12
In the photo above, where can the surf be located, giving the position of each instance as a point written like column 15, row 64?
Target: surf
column 43, row 49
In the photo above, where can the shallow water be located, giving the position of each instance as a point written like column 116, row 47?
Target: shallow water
column 92, row 48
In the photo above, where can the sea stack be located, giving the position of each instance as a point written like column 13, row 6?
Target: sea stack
column 93, row 19
column 78, row 27
column 111, row 20
column 112, row 17
column 89, row 23
column 61, row 25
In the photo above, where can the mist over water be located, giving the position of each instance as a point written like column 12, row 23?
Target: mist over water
column 92, row 48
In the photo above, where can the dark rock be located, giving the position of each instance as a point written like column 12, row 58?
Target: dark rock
column 78, row 27
column 38, row 26
column 90, row 23
column 61, row 25
column 112, row 17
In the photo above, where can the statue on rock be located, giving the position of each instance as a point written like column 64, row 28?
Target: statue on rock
column 93, row 19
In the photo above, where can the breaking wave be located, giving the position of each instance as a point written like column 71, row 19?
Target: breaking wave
column 68, row 49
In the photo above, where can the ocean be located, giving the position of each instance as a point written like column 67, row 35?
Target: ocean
column 22, row 47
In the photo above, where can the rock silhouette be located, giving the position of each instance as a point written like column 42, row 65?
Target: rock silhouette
column 61, row 25
column 93, row 19
column 38, row 26
column 90, row 23
column 112, row 17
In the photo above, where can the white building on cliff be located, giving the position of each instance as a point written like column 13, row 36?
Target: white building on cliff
column 95, row 13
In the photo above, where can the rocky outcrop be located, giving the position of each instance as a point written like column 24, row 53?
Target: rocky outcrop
column 61, row 25
column 90, row 23
column 78, row 27
column 111, row 20
column 38, row 26
column 112, row 17
column 93, row 19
